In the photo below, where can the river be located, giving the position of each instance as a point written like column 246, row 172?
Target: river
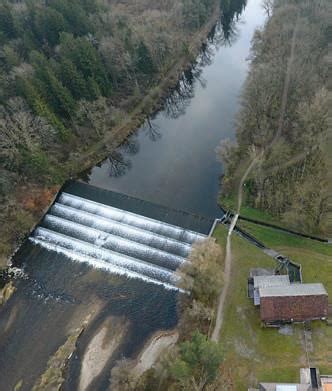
column 171, row 161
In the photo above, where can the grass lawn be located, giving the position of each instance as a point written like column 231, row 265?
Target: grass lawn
column 249, row 212
column 230, row 203
column 254, row 353
column 282, row 241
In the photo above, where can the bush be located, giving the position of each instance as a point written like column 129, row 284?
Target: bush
column 203, row 275
column 197, row 363
column 35, row 163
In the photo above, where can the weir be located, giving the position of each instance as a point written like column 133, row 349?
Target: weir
column 109, row 235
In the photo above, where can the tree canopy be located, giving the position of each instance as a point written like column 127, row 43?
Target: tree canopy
column 290, row 181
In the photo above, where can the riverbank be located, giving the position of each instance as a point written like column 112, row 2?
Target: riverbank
column 100, row 349
column 30, row 200
column 153, row 349
column 151, row 102
column 211, row 91
column 54, row 375
column 6, row 292
column 283, row 120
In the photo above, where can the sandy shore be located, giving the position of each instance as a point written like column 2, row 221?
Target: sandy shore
column 100, row 349
column 153, row 349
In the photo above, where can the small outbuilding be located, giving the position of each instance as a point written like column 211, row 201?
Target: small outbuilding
column 295, row 302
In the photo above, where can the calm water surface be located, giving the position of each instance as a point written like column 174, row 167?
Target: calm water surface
column 173, row 161
column 170, row 161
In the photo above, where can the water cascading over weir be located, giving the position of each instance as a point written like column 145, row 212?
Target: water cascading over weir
column 119, row 233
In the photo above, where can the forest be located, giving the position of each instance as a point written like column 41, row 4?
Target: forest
column 72, row 72
column 63, row 61
column 290, row 180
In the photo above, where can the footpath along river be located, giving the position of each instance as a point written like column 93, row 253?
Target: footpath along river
column 170, row 161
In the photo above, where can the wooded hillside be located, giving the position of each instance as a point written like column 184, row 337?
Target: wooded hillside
column 61, row 60
column 290, row 180
column 76, row 76
column 70, row 72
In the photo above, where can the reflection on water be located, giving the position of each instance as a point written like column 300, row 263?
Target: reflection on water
column 171, row 161
column 174, row 161
column 117, row 164
column 152, row 130
column 229, row 18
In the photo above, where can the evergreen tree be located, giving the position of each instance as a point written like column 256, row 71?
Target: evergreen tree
column 65, row 104
column 75, row 16
column 48, row 24
column 144, row 62
column 39, row 105
column 87, row 59
column 198, row 361
column 73, row 79
column 57, row 95
column 7, row 28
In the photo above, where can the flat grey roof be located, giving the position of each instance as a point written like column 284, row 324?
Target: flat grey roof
column 259, row 271
column 284, row 387
column 293, row 290
column 266, row 281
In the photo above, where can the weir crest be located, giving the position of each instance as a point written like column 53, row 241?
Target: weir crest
column 117, row 240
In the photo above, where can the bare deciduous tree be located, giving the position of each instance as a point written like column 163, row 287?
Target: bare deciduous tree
column 203, row 275
column 268, row 6
column 20, row 128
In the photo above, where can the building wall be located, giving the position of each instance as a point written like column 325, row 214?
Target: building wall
column 256, row 297
column 298, row 308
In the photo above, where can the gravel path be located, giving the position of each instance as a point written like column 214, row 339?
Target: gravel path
column 259, row 156
column 227, row 274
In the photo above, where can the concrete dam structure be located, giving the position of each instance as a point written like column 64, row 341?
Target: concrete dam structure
column 120, row 234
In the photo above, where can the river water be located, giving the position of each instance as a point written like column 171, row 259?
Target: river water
column 170, row 161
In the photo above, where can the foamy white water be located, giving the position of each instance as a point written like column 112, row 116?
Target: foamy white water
column 109, row 256
column 112, row 242
column 118, row 228
column 130, row 218
column 100, row 264
column 115, row 240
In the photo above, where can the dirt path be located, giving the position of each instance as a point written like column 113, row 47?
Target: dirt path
column 227, row 277
column 254, row 161
column 228, row 257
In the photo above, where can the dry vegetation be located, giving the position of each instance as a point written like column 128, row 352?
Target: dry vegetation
column 53, row 377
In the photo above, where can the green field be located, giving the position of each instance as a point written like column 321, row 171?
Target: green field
column 254, row 353
column 230, row 203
